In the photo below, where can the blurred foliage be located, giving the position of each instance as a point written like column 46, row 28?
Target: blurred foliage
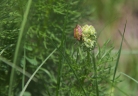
column 45, row 34
column 11, row 18
column 103, row 10
column 45, row 26
column 47, row 21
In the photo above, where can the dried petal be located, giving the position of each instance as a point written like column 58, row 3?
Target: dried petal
column 78, row 32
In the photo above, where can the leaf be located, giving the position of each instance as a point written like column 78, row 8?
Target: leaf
column 32, row 61
column 27, row 94
column 29, row 48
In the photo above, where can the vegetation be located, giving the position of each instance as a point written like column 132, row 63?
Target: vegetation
column 39, row 55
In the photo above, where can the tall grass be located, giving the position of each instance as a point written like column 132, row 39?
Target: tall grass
column 69, row 69
column 19, row 47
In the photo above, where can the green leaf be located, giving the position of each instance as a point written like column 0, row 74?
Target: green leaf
column 32, row 61
column 29, row 48
column 27, row 94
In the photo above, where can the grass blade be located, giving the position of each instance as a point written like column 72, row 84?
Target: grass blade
column 16, row 68
column 22, row 92
column 119, row 53
column 17, row 51
column 130, row 77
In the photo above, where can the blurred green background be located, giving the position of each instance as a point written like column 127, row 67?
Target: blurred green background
column 47, row 19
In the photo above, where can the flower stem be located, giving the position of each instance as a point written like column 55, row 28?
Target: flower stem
column 95, row 72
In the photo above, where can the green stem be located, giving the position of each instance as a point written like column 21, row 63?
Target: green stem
column 69, row 64
column 88, row 57
column 77, row 55
column 24, row 65
column 59, row 77
column 95, row 71
column 17, row 51
column 63, row 48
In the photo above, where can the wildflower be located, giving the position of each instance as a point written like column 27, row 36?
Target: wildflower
column 78, row 32
column 88, row 30
column 87, row 34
